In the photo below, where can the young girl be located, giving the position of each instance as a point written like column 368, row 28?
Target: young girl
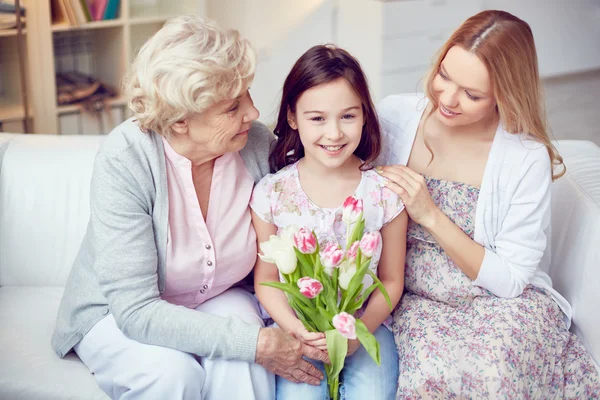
column 328, row 134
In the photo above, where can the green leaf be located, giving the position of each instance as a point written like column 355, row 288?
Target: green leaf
column 305, row 320
column 322, row 324
column 328, row 316
column 306, row 269
column 368, row 341
column 358, row 230
column 335, row 282
column 357, row 279
column 352, row 307
column 351, row 298
column 291, row 289
column 337, row 347
column 382, row 289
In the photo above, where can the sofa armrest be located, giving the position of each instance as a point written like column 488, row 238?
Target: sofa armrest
column 575, row 238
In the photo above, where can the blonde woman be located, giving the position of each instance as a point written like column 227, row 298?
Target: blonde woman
column 474, row 165
column 150, row 306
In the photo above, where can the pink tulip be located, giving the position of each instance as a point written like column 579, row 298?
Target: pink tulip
column 369, row 243
column 310, row 287
column 305, row 241
column 352, row 251
column 351, row 209
column 345, row 325
column 332, row 256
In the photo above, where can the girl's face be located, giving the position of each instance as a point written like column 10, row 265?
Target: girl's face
column 329, row 119
column 463, row 89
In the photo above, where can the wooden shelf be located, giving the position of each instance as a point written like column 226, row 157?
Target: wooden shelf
column 101, row 49
column 90, row 25
column 9, row 112
column 117, row 101
column 10, row 32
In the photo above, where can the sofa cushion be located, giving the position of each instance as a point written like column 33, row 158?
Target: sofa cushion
column 29, row 368
column 575, row 239
column 44, row 206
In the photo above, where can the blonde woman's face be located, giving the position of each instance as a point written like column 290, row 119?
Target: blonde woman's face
column 224, row 127
column 463, row 89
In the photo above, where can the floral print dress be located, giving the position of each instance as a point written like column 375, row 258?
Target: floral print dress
column 280, row 200
column 457, row 340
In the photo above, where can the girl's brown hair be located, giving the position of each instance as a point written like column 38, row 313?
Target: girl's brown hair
column 505, row 44
column 322, row 64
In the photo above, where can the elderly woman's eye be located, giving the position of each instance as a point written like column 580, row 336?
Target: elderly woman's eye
column 234, row 108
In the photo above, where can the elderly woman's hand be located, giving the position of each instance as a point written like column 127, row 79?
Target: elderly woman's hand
column 412, row 189
column 282, row 354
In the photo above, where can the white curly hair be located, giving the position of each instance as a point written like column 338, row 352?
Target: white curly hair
column 189, row 65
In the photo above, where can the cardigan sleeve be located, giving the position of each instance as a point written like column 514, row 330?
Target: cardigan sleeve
column 125, row 266
column 521, row 240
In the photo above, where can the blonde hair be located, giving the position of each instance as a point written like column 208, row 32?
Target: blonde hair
column 189, row 65
column 505, row 44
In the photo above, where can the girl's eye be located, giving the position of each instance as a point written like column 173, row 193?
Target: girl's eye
column 317, row 119
column 469, row 95
column 348, row 116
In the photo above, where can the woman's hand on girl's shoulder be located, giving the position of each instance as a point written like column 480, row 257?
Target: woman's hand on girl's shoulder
column 412, row 189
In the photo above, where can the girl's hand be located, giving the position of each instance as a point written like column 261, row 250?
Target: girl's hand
column 412, row 189
column 314, row 339
column 353, row 345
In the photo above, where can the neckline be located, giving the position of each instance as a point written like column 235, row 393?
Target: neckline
column 468, row 185
column 416, row 121
column 296, row 172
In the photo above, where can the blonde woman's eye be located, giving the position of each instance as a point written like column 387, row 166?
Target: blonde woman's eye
column 444, row 77
column 469, row 95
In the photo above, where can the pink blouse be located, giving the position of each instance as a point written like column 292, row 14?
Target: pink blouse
column 206, row 258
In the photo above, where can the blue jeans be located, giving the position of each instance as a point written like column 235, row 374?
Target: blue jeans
column 361, row 378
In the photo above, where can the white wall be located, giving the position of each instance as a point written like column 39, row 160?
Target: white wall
column 567, row 32
column 281, row 31
column 395, row 40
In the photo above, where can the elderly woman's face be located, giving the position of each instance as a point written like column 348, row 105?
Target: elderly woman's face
column 224, row 127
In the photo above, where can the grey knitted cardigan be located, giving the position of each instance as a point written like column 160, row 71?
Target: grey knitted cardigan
column 120, row 267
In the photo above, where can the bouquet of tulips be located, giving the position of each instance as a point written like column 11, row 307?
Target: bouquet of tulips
column 324, row 286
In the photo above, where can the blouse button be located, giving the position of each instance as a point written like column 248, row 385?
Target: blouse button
column 205, row 287
column 209, row 263
column 202, row 291
column 207, row 247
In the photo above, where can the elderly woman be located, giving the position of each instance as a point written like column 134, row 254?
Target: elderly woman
column 150, row 306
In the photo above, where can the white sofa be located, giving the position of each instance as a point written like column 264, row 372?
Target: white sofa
column 44, row 207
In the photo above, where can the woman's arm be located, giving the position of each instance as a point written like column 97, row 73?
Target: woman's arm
column 519, row 245
column 390, row 272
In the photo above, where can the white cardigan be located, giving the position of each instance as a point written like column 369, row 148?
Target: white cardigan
column 513, row 209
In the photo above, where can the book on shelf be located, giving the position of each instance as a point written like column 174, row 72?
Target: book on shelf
column 80, row 12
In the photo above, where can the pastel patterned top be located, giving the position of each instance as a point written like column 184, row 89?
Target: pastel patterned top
column 280, row 200
column 206, row 258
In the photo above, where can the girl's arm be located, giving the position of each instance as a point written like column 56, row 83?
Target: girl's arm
column 274, row 300
column 390, row 272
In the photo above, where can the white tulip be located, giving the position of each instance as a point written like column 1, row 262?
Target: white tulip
column 347, row 271
column 279, row 251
